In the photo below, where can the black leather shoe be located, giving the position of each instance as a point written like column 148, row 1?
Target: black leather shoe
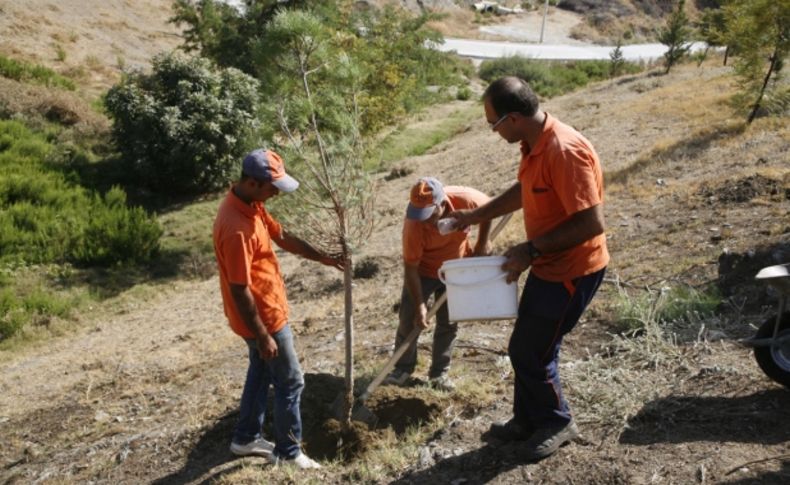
column 510, row 431
column 546, row 441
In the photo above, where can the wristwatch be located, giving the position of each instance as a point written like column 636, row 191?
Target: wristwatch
column 533, row 252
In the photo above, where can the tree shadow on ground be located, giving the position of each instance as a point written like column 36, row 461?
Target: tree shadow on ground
column 763, row 417
column 210, row 458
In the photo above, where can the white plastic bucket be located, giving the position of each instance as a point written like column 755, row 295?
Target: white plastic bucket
column 476, row 289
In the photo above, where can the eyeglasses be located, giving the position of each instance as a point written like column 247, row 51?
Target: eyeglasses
column 497, row 122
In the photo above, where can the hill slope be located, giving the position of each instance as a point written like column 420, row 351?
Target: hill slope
column 147, row 390
column 90, row 40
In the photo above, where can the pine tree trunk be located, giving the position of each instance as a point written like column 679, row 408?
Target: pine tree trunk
column 348, row 277
column 759, row 101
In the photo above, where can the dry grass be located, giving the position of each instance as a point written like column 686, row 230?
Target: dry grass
column 50, row 104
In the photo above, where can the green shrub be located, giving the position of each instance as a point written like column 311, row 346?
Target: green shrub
column 44, row 217
column 183, row 128
column 116, row 233
column 37, row 306
column 551, row 78
column 24, row 71
column 11, row 318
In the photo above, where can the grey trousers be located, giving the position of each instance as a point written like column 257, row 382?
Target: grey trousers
column 443, row 335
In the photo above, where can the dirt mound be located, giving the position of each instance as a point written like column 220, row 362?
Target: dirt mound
column 737, row 272
column 396, row 408
column 743, row 190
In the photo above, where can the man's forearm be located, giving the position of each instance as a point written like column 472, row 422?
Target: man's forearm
column 505, row 203
column 411, row 278
column 248, row 311
column 483, row 232
column 299, row 247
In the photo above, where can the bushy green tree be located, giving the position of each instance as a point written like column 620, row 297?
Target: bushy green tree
column 319, row 118
column 712, row 28
column 183, row 128
column 399, row 72
column 225, row 34
column 399, row 67
column 676, row 36
column 760, row 32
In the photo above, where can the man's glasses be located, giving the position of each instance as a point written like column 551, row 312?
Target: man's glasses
column 497, row 122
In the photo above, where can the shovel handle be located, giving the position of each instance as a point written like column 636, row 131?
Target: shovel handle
column 417, row 330
column 402, row 349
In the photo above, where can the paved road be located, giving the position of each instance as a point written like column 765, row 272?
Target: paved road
column 483, row 49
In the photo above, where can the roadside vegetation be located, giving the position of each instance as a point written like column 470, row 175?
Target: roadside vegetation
column 553, row 78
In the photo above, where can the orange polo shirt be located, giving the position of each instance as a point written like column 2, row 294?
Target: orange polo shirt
column 245, row 256
column 425, row 247
column 560, row 176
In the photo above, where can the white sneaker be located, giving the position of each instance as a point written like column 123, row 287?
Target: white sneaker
column 301, row 461
column 259, row 447
column 442, row 383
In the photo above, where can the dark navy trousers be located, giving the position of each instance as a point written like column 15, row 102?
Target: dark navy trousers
column 547, row 311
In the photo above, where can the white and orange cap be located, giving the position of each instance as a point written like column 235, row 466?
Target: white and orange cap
column 425, row 196
column 268, row 166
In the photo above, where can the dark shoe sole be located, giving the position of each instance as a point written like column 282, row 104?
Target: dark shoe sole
column 562, row 438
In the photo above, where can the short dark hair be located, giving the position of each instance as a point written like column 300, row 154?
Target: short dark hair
column 511, row 95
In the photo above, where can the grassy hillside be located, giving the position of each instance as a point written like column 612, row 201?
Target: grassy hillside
column 89, row 41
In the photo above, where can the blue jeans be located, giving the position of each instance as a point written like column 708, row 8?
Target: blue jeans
column 547, row 311
column 285, row 375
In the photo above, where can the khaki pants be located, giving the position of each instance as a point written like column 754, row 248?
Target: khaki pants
column 443, row 335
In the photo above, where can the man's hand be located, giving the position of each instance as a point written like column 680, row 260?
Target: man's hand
column 518, row 261
column 420, row 314
column 267, row 347
column 464, row 218
column 335, row 260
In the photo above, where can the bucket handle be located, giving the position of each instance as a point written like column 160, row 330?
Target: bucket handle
column 476, row 283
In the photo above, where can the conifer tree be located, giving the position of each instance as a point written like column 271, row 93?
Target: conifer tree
column 676, row 36
column 760, row 32
column 319, row 118
column 617, row 61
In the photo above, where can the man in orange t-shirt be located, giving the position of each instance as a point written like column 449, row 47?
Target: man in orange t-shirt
column 253, row 293
column 425, row 248
column 560, row 190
